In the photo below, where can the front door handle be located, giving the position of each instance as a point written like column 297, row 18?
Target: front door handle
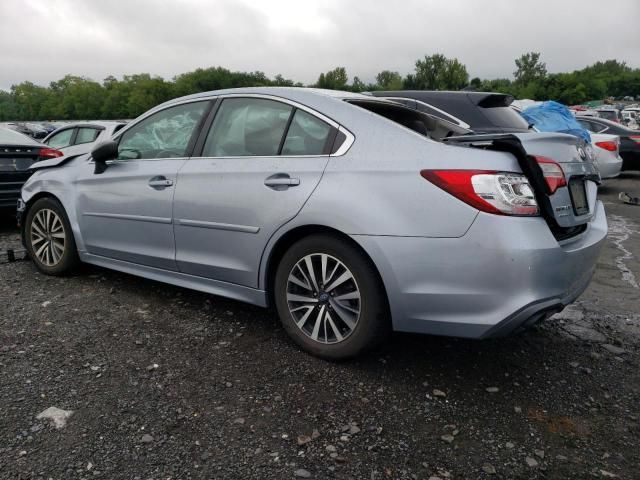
column 160, row 182
column 281, row 181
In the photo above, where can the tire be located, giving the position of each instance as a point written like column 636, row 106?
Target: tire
column 353, row 298
column 49, row 238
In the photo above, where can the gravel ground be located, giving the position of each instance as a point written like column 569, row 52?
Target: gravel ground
column 166, row 383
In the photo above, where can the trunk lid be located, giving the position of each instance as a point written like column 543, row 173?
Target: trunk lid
column 571, row 207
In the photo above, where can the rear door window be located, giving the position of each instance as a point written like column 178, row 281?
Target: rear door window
column 246, row 127
column 307, row 135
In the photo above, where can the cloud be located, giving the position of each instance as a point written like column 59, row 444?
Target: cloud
column 43, row 40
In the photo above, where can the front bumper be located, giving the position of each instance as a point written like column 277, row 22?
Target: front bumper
column 505, row 272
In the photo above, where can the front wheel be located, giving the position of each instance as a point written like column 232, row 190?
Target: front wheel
column 49, row 238
column 330, row 299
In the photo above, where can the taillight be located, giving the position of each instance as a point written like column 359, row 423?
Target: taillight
column 609, row 146
column 553, row 174
column 635, row 138
column 501, row 193
column 45, row 153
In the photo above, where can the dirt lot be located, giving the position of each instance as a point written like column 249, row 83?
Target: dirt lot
column 166, row 383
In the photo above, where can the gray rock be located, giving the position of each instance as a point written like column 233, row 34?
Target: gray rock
column 509, row 445
column 489, row 469
column 492, row 389
column 302, row 473
column 613, row 349
column 447, row 438
column 331, row 448
column 58, row 416
column 531, row 462
column 146, row 438
column 585, row 333
column 539, row 453
column 438, row 393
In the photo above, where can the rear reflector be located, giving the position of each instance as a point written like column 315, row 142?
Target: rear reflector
column 553, row 174
column 45, row 153
column 609, row 146
column 500, row 193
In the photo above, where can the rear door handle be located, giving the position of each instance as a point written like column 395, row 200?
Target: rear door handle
column 160, row 182
column 281, row 181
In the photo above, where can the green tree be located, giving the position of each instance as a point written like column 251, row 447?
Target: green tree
column 437, row 72
column 529, row 68
column 388, row 80
column 335, row 79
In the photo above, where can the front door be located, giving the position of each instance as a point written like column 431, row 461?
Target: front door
column 125, row 212
column 260, row 162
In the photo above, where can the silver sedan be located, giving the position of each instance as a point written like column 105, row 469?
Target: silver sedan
column 352, row 216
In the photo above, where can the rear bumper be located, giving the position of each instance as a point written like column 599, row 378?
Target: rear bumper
column 611, row 168
column 10, row 185
column 504, row 273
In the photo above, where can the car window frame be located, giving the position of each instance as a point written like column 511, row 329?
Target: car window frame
column 210, row 101
column 330, row 150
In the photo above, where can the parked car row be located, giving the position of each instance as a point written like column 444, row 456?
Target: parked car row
column 352, row 215
column 613, row 148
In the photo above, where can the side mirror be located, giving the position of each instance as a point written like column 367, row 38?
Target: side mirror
column 103, row 152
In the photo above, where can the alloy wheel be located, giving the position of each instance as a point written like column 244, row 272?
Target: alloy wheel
column 48, row 237
column 323, row 298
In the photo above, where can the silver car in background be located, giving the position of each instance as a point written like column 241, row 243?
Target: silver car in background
column 80, row 138
column 351, row 215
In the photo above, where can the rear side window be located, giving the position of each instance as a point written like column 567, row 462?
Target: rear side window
column 86, row 135
column 307, row 135
column 246, row 127
column 61, row 139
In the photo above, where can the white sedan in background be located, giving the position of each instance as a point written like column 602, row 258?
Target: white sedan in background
column 606, row 149
column 80, row 138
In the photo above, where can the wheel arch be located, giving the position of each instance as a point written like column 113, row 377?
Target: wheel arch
column 27, row 206
column 290, row 237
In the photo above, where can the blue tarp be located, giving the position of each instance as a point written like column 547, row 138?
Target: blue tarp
column 555, row 117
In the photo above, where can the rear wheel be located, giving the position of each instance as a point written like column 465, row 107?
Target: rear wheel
column 330, row 299
column 49, row 238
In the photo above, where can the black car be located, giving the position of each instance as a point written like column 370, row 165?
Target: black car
column 629, row 139
column 17, row 153
column 482, row 112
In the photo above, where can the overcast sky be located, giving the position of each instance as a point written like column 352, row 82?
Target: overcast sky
column 43, row 40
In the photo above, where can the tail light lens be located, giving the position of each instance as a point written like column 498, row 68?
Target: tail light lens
column 609, row 146
column 46, row 153
column 553, row 174
column 500, row 193
column 635, row 138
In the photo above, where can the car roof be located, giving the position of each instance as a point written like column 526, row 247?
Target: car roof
column 287, row 92
column 608, row 123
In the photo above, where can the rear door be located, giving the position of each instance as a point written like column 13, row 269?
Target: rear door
column 259, row 161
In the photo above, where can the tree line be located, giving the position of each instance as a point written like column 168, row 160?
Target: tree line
column 74, row 98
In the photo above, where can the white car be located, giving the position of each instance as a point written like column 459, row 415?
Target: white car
column 80, row 138
column 606, row 149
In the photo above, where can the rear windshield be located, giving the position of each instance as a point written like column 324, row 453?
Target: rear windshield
column 479, row 117
column 422, row 123
column 608, row 114
column 504, row 117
